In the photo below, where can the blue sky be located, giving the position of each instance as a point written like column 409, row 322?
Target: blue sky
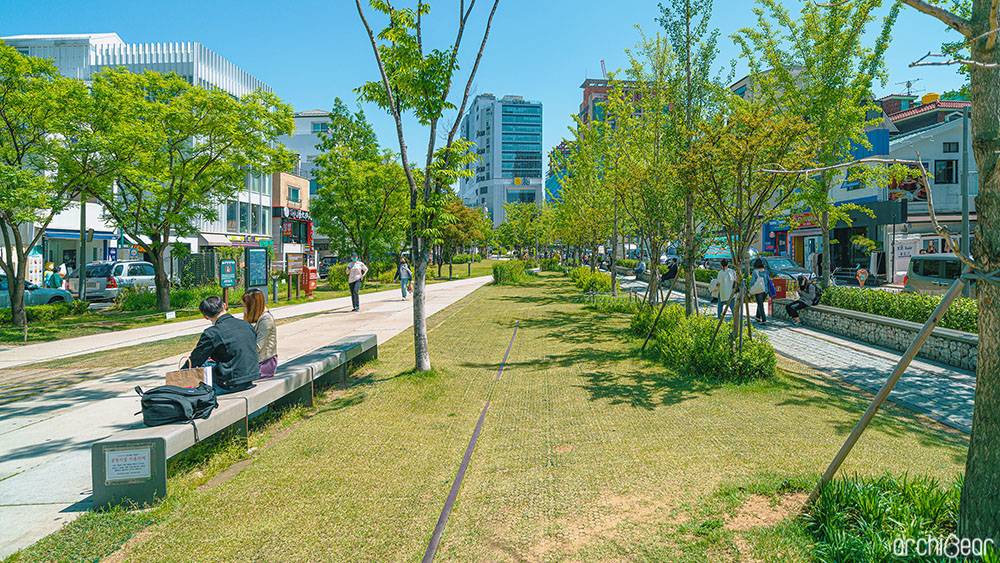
column 311, row 51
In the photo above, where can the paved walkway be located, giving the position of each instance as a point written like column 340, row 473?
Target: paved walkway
column 45, row 440
column 944, row 393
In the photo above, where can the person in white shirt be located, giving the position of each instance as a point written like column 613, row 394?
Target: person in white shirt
column 356, row 272
column 727, row 287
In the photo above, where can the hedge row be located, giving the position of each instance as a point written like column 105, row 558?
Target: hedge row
column 627, row 263
column 42, row 313
column 685, row 344
column 588, row 281
column 608, row 304
column 508, row 273
column 914, row 307
column 143, row 299
column 549, row 264
column 466, row 258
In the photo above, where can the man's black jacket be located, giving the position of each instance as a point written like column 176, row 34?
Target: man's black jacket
column 232, row 344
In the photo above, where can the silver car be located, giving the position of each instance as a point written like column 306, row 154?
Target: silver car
column 34, row 295
column 106, row 279
column 932, row 274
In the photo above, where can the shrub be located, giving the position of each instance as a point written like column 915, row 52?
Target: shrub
column 627, row 263
column 705, row 276
column 685, row 343
column 914, row 307
column 530, row 263
column 549, row 264
column 44, row 313
column 138, row 299
column 337, row 277
column 508, row 273
column 143, row 299
column 598, row 282
column 608, row 304
column 477, row 257
column 387, row 276
column 859, row 518
column 462, row 259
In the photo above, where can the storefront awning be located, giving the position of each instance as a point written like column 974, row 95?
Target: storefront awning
column 75, row 234
column 208, row 239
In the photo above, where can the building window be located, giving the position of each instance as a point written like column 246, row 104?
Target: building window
column 255, row 218
column 951, row 147
column 320, row 127
column 313, row 187
column 244, row 217
column 266, row 217
column 232, row 217
column 293, row 195
column 945, row 171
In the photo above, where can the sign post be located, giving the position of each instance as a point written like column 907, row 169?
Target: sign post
column 862, row 277
column 295, row 262
column 227, row 278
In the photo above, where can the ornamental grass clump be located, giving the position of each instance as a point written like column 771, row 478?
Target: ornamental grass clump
column 508, row 273
column 870, row 518
column 913, row 307
column 549, row 264
column 587, row 281
column 608, row 304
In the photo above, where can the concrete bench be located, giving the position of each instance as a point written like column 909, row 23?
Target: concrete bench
column 132, row 464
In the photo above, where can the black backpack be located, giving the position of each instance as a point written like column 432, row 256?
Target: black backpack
column 169, row 403
column 819, row 294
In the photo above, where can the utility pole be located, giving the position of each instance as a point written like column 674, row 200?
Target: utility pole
column 81, row 257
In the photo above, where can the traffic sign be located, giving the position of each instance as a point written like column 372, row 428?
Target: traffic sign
column 228, row 273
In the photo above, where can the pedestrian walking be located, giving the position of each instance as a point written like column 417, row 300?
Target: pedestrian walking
column 724, row 286
column 356, row 272
column 404, row 275
column 758, row 288
column 256, row 313
column 809, row 295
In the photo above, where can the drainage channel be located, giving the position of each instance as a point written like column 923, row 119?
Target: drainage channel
column 432, row 547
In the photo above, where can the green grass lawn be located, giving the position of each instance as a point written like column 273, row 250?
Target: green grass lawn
column 106, row 321
column 588, row 453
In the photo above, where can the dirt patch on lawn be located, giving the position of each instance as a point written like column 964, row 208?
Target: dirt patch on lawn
column 760, row 511
column 122, row 554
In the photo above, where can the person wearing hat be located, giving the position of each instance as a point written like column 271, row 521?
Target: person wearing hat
column 52, row 278
column 356, row 272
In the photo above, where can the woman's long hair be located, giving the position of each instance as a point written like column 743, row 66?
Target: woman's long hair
column 253, row 305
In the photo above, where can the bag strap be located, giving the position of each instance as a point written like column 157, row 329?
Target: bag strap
column 195, row 426
column 139, row 390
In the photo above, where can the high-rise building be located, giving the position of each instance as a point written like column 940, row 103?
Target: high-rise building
column 507, row 133
column 243, row 221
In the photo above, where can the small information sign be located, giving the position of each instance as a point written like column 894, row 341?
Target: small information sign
column 862, row 277
column 295, row 263
column 127, row 465
column 256, row 267
column 228, row 273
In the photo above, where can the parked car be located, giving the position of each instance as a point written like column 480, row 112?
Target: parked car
column 323, row 267
column 784, row 268
column 34, row 295
column 932, row 274
column 106, row 279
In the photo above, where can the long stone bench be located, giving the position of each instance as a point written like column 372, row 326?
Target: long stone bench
column 132, row 464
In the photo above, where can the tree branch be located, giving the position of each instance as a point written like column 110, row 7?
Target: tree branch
column 950, row 19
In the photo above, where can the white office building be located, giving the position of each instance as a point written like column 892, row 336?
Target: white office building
column 308, row 126
column 244, row 221
column 507, row 133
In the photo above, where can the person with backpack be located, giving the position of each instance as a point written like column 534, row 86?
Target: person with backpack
column 231, row 343
column 404, row 275
column 809, row 295
column 759, row 281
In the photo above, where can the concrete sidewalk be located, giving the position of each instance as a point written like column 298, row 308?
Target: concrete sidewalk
column 45, row 440
column 32, row 353
column 941, row 392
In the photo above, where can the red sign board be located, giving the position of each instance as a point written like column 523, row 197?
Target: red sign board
column 804, row 220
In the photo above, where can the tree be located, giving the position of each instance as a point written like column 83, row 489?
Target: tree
column 732, row 149
column 978, row 516
column 419, row 82
column 190, row 149
column 586, row 211
column 362, row 201
column 793, row 66
column 521, row 225
column 40, row 119
column 686, row 24
column 463, row 230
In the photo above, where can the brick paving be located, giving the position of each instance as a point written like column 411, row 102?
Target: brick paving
column 943, row 393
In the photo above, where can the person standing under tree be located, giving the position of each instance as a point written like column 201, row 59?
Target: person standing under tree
column 758, row 288
column 356, row 272
column 404, row 275
column 726, row 284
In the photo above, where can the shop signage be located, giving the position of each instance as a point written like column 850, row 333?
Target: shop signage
column 249, row 240
column 804, row 220
column 292, row 213
column 286, row 229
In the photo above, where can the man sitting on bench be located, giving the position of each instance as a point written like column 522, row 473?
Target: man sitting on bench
column 231, row 343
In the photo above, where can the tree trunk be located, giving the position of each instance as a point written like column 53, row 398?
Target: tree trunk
column 593, row 259
column 690, row 288
column 19, row 313
column 421, row 352
column 162, row 283
column 824, row 265
column 978, row 515
column 614, row 254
